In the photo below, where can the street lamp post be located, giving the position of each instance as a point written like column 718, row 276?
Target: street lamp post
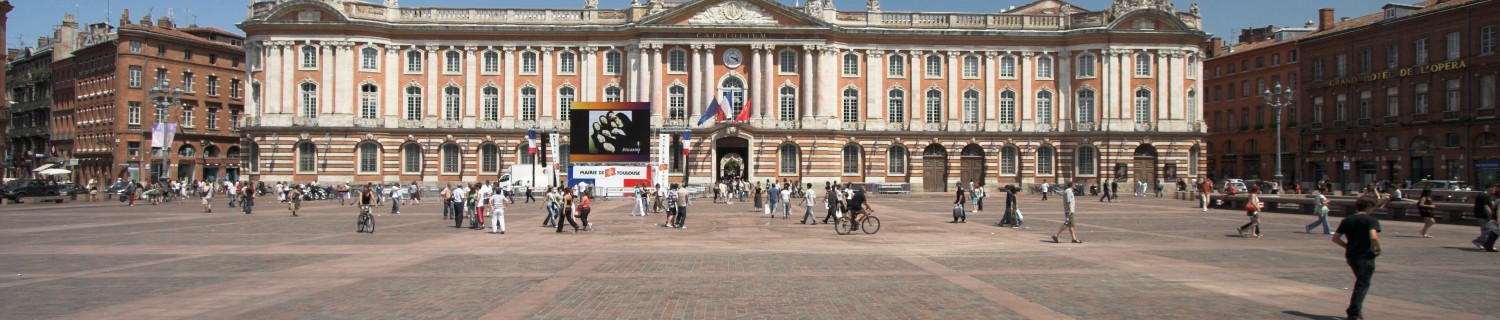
column 1278, row 98
column 164, row 98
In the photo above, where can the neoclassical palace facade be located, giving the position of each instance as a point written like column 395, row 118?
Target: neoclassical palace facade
column 355, row 91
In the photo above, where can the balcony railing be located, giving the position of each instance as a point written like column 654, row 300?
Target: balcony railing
column 305, row 122
column 409, row 124
column 368, row 123
column 922, row 20
column 489, row 124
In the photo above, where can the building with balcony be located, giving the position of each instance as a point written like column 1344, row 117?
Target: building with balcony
column 356, row 91
column 5, row 161
column 29, row 82
column 1241, row 136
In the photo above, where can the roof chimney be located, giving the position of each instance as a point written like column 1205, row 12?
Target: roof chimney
column 1325, row 18
column 1214, row 45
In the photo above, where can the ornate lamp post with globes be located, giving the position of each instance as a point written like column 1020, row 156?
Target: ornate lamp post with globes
column 164, row 98
column 1278, row 98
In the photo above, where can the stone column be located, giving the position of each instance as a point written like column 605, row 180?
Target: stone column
column 345, row 90
column 954, row 106
column 990, row 95
column 392, row 68
column 432, row 100
column 272, row 86
column 326, row 68
column 710, row 78
column 807, row 87
column 1163, row 93
column 695, row 93
column 770, row 93
column 1025, row 103
column 1062, row 98
column 509, row 67
column 757, row 79
column 654, row 64
column 914, row 95
column 874, row 78
column 590, row 76
column 288, row 78
column 828, row 89
column 1176, row 70
column 1126, row 75
column 547, row 92
column 470, row 106
column 633, row 73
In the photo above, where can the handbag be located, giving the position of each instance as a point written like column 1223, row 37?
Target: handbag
column 1018, row 215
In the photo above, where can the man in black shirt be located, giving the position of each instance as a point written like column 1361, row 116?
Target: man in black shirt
column 1484, row 210
column 857, row 207
column 1359, row 234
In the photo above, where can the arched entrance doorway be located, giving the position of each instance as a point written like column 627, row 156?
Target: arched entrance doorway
column 971, row 164
column 1145, row 163
column 935, row 168
column 730, row 154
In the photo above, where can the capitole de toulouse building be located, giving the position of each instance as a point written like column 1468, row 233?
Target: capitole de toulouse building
column 1047, row 91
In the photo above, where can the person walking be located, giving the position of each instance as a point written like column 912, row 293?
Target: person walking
column 832, row 201
column 959, row 196
column 1046, row 188
column 294, row 197
column 208, row 198
column 456, row 204
column 231, row 191
column 553, row 200
column 786, row 201
column 398, row 194
column 1069, row 210
column 585, row 206
column 682, row 208
column 671, row 201
column 1105, row 188
column 497, row 213
column 1114, row 190
column 565, row 210
column 1484, row 208
column 1252, row 209
column 247, row 198
column 1205, row 190
column 757, row 195
column 640, row 201
column 772, row 196
column 1011, row 206
column 529, row 196
column 808, row 196
column 1425, row 207
column 1320, row 209
column 1359, row 235
column 979, row 193
column 447, row 197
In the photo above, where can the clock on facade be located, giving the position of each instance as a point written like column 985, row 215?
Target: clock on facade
column 733, row 58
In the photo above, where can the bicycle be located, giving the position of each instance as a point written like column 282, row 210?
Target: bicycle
column 365, row 222
column 867, row 221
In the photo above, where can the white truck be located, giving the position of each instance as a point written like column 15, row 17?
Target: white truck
column 520, row 176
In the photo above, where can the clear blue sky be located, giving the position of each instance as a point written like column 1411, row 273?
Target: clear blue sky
column 32, row 18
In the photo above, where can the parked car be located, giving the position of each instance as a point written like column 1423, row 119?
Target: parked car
column 117, row 188
column 70, row 188
column 1265, row 186
column 1239, row 185
column 20, row 188
column 1452, row 185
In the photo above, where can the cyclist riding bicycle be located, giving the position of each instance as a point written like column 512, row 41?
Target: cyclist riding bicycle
column 858, row 206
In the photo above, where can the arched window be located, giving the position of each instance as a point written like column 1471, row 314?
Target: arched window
column 309, row 57
column 490, row 100
column 612, row 94
column 211, row 151
column 1008, row 67
column 934, row 66
column 491, row 62
column 1008, row 160
column 971, row 106
column 851, row 105
column 413, row 103
column 1044, row 106
column 787, row 104
column 565, row 98
column 451, row 157
column 414, row 61
column 411, row 158
column 528, row 104
column 788, row 153
column 369, row 101
column 1085, row 103
column 1044, row 159
column 1143, row 64
column 1007, row 106
column 524, row 153
column 971, row 67
column 452, row 104
column 1044, row 67
column 1142, row 106
column 254, row 157
column 934, row 112
column 851, row 158
column 1085, row 66
column 452, row 61
column 369, row 157
column 1087, row 160
column 895, row 105
column 309, row 100
column 676, row 102
column 612, row 62
column 895, row 66
column 677, row 60
column 733, row 88
column 787, row 60
column 307, row 155
column 489, row 158
column 567, row 63
column 895, row 160
column 528, row 62
column 851, row 64
column 1193, row 161
column 369, row 58
column 187, row 151
column 1192, row 106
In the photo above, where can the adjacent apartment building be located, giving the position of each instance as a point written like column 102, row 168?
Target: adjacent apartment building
column 1241, row 125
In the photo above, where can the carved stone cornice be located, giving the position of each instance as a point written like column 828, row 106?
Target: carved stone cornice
column 874, row 54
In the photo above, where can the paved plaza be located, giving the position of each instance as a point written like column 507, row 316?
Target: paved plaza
column 1144, row 258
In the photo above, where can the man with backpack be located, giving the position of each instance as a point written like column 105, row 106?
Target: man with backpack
column 673, row 200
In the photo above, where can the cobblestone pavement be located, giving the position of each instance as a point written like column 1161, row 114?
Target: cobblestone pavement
column 1143, row 258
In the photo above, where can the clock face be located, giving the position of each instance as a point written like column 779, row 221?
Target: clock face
column 733, row 58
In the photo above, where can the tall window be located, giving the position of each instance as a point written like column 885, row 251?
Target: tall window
column 1392, row 102
column 1085, row 103
column 1044, row 67
column 895, row 66
column 234, row 89
column 971, row 67
column 567, row 63
column 1487, row 40
column 1451, row 98
column 971, row 106
column 1192, row 102
column 677, row 60
column 565, row 97
column 1366, row 60
column 1142, row 106
column 413, row 103
column 1392, row 56
column 307, row 155
column 1419, row 99
column 1340, row 108
column 934, row 106
column 851, row 64
column 309, row 57
column 1008, row 67
column 452, row 104
column 368, row 58
column 369, row 100
column 1487, row 91
column 787, row 103
column 851, row 105
column 1365, row 110
column 895, row 160
column 934, row 66
column 1340, row 65
column 528, row 62
column 411, row 155
column 1317, row 111
column 213, row 118
column 1007, row 106
column 1143, row 64
column 612, row 94
column 452, row 61
column 1455, row 50
column 1419, row 50
column 135, row 76
column 612, row 62
column 528, row 104
column 1086, row 160
column 187, row 82
column 1317, row 70
column 133, row 113
column 1044, row 159
column 309, row 100
column 187, row 117
column 851, row 159
column 676, row 103
column 1086, row 66
column 414, row 61
column 213, row 85
column 451, row 157
column 787, row 60
column 369, row 157
column 489, row 158
column 491, row 61
column 895, row 106
column 1008, row 155
column 1044, row 106
column 490, row 103
column 135, row 46
column 788, row 153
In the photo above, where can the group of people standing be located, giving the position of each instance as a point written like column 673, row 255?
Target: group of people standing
column 480, row 203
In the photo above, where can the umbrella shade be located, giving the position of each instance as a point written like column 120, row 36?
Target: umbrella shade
column 55, row 172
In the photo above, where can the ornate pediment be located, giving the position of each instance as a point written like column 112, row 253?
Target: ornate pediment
column 733, row 12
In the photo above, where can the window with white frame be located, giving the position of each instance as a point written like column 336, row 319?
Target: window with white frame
column 135, row 46
column 676, row 102
column 1008, row 160
column 1192, row 109
column 1007, row 67
column 1044, row 106
column 1419, row 99
column 188, row 83
column 1455, row 48
column 1317, row 111
column 489, row 158
column 452, row 61
column 787, row 61
column 850, row 105
column 368, row 58
column 1192, row 66
column 1340, row 107
column 213, row 86
column 895, row 160
column 528, row 62
column 1392, row 102
column 1392, row 56
column 213, row 118
column 133, row 113
column 1365, row 107
column 187, row 116
column 490, row 104
column 1366, row 61
column 851, row 64
column 1044, row 67
column 1085, row 106
column 1044, row 159
column 788, row 155
column 491, row 61
column 567, row 63
column 895, row 105
column 309, row 57
column 413, row 103
column 612, row 62
column 895, row 66
column 234, row 89
column 1317, row 71
column 1087, row 160
column 971, row 67
column 309, row 100
column 451, row 158
column 1419, row 50
column 1007, row 106
column 528, row 104
column 1487, row 91
column 307, row 155
column 135, row 76
column 677, row 61
column 369, row 101
column 411, row 155
column 934, row 66
column 413, row 61
column 612, row 94
column 369, row 157
column 1340, row 65
column 851, row 158
column 1487, row 40
column 971, row 106
column 787, row 104
column 1142, row 64
column 934, row 106
column 1086, row 66
column 452, row 104
column 1142, row 106
column 565, row 97
column 1451, row 96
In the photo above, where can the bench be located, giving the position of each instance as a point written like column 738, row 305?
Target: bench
column 1448, row 211
column 893, row 188
column 40, row 199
